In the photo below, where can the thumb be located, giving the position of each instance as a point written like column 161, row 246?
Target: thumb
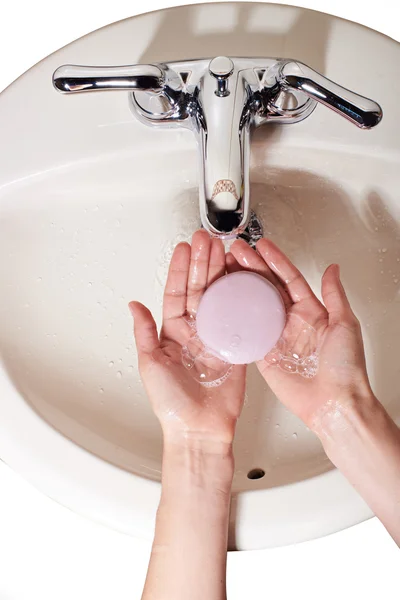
column 144, row 328
column 335, row 299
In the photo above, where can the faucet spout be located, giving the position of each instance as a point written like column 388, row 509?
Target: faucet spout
column 224, row 151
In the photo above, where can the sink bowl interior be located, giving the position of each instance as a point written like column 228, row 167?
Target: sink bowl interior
column 85, row 240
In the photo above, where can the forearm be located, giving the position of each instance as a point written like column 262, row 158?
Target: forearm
column 189, row 551
column 362, row 440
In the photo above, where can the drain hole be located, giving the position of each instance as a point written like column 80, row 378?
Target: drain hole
column 255, row 474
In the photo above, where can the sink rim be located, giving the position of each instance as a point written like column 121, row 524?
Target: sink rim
column 107, row 493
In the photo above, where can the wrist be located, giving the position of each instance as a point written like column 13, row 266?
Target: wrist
column 346, row 417
column 197, row 461
column 197, row 442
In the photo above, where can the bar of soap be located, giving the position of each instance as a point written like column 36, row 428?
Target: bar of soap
column 241, row 317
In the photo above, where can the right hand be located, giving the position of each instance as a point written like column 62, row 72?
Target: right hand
column 187, row 410
column 342, row 376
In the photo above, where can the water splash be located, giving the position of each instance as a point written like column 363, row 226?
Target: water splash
column 184, row 211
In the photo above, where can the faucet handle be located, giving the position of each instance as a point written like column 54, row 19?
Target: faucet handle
column 74, row 79
column 362, row 111
column 221, row 68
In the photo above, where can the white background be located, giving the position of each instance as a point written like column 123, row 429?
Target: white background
column 47, row 552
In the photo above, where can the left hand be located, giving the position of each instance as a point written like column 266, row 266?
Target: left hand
column 187, row 410
column 341, row 378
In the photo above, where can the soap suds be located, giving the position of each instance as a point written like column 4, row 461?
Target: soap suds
column 297, row 350
column 206, row 368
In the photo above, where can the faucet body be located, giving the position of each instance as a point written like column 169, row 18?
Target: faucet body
column 221, row 101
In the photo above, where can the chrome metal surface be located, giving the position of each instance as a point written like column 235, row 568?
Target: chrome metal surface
column 221, row 101
column 74, row 79
column 361, row 111
column 254, row 230
column 221, row 68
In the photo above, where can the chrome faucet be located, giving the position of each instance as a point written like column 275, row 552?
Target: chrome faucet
column 221, row 100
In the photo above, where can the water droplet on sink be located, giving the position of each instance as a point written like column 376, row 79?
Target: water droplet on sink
column 277, row 426
column 39, row 279
column 119, row 374
column 101, row 390
column 130, row 368
column 384, row 249
column 111, row 363
column 294, row 436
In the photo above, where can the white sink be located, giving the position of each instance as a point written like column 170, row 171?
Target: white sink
column 92, row 203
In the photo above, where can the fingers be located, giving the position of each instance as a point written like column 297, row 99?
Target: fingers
column 198, row 271
column 174, row 305
column 145, row 329
column 217, row 261
column 232, row 264
column 288, row 274
column 248, row 259
column 335, row 299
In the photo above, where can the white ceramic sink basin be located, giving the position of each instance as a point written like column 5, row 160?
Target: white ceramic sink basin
column 92, row 203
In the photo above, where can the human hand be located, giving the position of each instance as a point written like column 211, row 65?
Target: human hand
column 187, row 410
column 341, row 376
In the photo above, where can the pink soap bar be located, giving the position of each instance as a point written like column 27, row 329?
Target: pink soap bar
column 241, row 317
